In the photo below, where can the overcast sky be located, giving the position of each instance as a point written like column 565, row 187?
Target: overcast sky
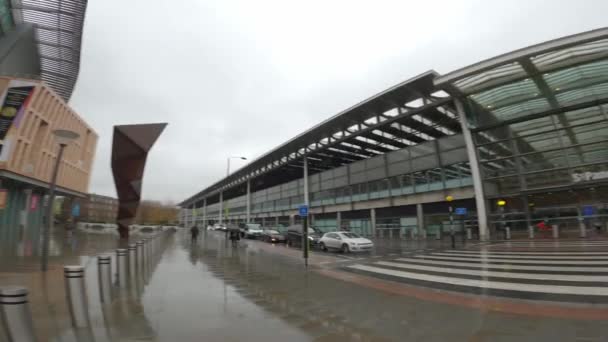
column 242, row 77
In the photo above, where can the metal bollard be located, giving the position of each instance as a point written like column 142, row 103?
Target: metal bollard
column 438, row 234
column 132, row 259
column 508, row 233
column 140, row 255
column 469, row 234
column 121, row 265
column 555, row 231
column 104, row 271
column 16, row 315
column 531, row 232
column 412, row 234
column 77, row 298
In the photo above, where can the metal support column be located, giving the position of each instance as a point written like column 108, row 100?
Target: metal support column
column 193, row 215
column 372, row 218
column 482, row 219
column 248, row 201
column 338, row 220
column 205, row 224
column 421, row 232
column 221, row 212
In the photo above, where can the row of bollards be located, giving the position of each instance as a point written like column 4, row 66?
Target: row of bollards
column 15, row 313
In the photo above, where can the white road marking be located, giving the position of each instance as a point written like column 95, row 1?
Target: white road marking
column 485, row 273
column 507, row 266
column 531, row 257
column 517, row 261
column 497, row 285
column 526, row 253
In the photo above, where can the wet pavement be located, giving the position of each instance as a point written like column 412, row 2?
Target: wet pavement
column 209, row 291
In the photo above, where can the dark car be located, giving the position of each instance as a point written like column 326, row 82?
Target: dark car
column 294, row 236
column 271, row 235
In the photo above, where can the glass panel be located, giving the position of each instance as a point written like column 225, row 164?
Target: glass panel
column 435, row 180
column 395, row 183
column 543, row 141
column 586, row 154
column 360, row 192
column 421, row 181
column 521, row 109
column 595, row 92
column 498, row 168
column 406, row 182
column 493, row 76
column 533, row 126
column 578, row 76
column 548, row 179
column 452, row 176
column 570, row 55
column 507, row 94
column 544, row 161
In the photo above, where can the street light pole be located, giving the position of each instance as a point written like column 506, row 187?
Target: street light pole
column 63, row 137
column 228, row 174
column 228, row 163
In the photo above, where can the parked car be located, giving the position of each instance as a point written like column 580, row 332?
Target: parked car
column 345, row 242
column 271, row 235
column 251, row 230
column 217, row 226
column 294, row 236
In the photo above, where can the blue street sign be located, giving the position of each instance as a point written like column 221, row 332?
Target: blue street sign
column 303, row 210
column 588, row 210
column 460, row 211
column 76, row 210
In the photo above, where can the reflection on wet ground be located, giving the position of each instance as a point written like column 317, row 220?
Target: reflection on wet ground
column 209, row 291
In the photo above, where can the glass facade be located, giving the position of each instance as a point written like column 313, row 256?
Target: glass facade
column 6, row 17
column 430, row 166
column 540, row 128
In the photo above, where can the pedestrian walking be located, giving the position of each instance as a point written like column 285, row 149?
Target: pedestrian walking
column 194, row 232
column 235, row 236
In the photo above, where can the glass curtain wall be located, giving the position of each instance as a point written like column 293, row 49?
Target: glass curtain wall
column 540, row 126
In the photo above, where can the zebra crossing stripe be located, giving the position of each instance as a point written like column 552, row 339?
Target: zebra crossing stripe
column 496, row 285
column 542, row 257
column 497, row 274
column 507, row 266
column 483, row 259
column 551, row 243
column 524, row 253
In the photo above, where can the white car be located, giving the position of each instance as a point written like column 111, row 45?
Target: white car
column 345, row 242
column 217, row 227
column 251, row 231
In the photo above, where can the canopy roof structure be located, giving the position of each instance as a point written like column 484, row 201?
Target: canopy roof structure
column 551, row 97
column 407, row 114
column 508, row 97
column 58, row 25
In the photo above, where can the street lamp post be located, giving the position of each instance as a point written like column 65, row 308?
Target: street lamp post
column 63, row 137
column 228, row 174
column 228, row 163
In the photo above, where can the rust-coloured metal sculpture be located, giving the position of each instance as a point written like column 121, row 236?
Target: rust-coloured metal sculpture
column 130, row 147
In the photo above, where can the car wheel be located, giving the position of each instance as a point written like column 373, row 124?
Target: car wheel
column 345, row 248
column 323, row 248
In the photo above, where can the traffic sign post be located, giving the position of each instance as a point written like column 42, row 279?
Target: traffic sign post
column 303, row 212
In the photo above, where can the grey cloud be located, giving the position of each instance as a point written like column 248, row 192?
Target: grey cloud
column 241, row 77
